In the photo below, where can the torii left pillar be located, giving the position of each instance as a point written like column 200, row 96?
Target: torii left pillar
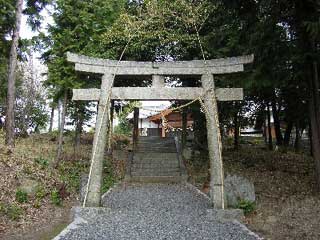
column 93, row 196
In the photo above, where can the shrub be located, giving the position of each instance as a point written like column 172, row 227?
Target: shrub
column 229, row 141
column 40, row 193
column 70, row 174
column 37, row 203
column 247, row 206
column 42, row 162
column 107, row 182
column 2, row 208
column 109, row 178
column 21, row 196
column 13, row 211
column 55, row 197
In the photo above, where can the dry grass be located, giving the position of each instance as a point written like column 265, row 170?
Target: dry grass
column 30, row 160
column 287, row 202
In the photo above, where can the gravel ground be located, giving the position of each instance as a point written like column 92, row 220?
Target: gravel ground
column 155, row 211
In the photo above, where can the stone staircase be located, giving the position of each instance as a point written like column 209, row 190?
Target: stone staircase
column 155, row 159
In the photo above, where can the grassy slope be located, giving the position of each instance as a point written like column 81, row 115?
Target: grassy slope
column 57, row 188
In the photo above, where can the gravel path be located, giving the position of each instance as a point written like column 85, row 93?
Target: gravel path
column 155, row 211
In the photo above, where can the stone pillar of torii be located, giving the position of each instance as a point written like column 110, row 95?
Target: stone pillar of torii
column 158, row 70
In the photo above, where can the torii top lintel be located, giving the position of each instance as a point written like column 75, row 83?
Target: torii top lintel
column 194, row 67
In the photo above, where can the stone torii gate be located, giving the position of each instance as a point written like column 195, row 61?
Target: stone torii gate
column 158, row 70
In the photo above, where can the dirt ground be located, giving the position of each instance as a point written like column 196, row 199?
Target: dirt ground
column 287, row 206
column 47, row 224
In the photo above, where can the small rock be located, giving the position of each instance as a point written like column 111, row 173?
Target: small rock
column 238, row 188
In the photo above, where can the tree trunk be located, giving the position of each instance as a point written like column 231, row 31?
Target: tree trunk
column 236, row 130
column 59, row 113
column 135, row 127
column 314, row 109
column 310, row 139
column 297, row 142
column 270, row 145
column 265, row 131
column 51, row 119
column 11, row 92
column 110, row 129
column 287, row 134
column 276, row 122
column 24, row 123
column 184, row 128
column 79, row 127
column 55, row 163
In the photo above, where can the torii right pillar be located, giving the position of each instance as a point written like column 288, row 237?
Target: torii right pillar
column 214, row 142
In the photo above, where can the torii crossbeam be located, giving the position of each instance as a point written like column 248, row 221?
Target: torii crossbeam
column 109, row 68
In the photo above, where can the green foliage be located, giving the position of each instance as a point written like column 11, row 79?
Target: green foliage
column 156, row 30
column 12, row 211
column 247, row 206
column 37, row 203
column 55, row 197
column 107, row 183
column 40, row 193
column 121, row 141
column 44, row 163
column 228, row 141
column 125, row 127
column 21, row 196
column 31, row 107
column 108, row 177
column 70, row 173
column 32, row 9
column 78, row 27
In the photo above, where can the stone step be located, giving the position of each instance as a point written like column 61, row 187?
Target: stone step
column 148, row 144
column 155, row 165
column 157, row 179
column 162, row 169
column 155, row 170
column 169, row 140
column 154, row 160
column 152, row 169
column 152, row 155
column 156, row 150
column 148, row 138
column 146, row 160
column 157, row 142
column 170, row 148
column 150, row 174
